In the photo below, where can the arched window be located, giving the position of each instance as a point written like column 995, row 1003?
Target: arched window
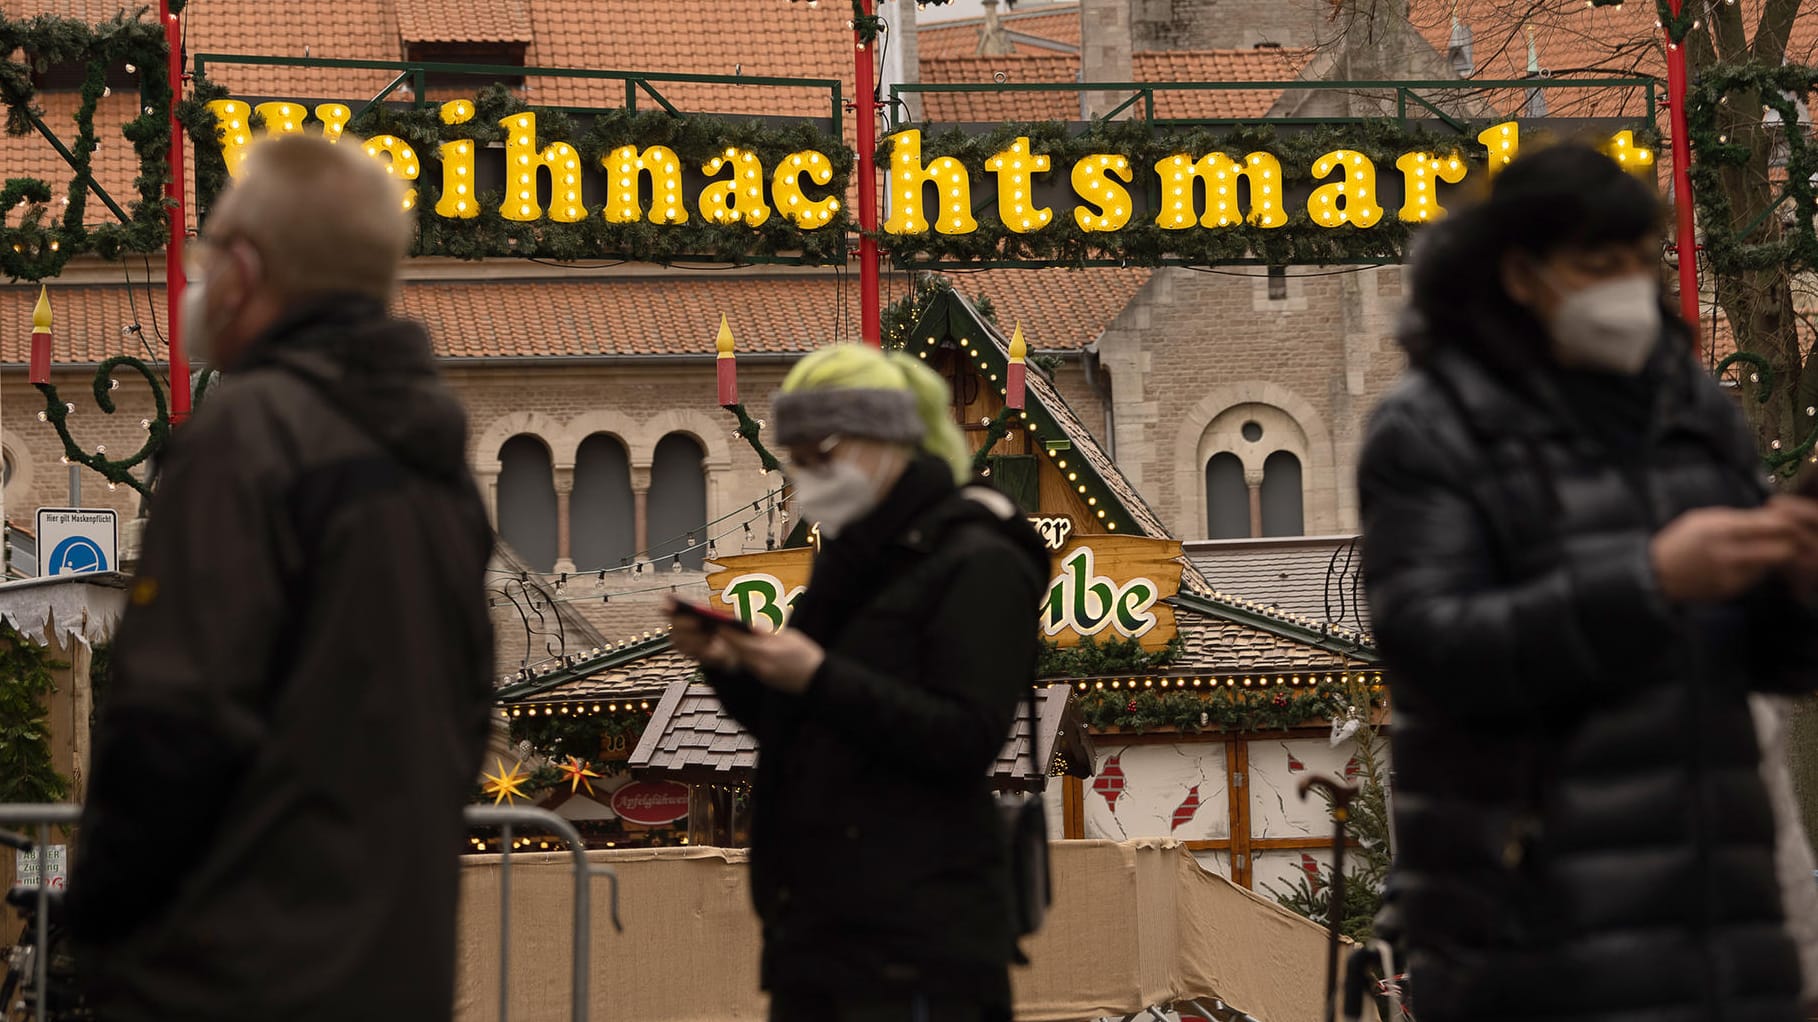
column 1281, row 496
column 1227, row 498
column 677, row 505
column 527, row 501
column 601, row 514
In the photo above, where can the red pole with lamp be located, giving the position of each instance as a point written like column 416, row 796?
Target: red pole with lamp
column 865, row 84
column 179, row 222
column 1686, row 232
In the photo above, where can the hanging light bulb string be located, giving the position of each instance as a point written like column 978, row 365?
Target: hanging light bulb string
column 636, row 562
column 562, row 580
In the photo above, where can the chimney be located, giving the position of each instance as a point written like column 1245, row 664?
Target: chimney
column 993, row 39
column 1105, row 47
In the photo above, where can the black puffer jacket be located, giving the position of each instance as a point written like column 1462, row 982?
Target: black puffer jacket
column 1583, row 833
column 300, row 697
column 877, row 865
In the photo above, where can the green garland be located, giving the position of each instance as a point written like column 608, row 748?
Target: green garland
column 995, row 430
column 35, row 247
column 114, row 470
column 1146, row 243
column 1274, row 708
column 1090, row 658
column 1783, row 462
column 26, row 773
column 1775, row 86
column 580, row 736
column 694, row 139
column 751, row 429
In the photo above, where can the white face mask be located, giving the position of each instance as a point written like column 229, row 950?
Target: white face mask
column 1612, row 326
column 198, row 339
column 834, row 494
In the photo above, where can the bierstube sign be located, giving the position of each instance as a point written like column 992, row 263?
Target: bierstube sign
column 1102, row 586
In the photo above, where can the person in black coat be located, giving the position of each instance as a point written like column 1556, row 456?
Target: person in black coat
column 301, row 677
column 878, row 867
column 1577, row 577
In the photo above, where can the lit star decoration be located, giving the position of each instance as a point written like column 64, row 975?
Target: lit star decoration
column 576, row 773
column 507, row 783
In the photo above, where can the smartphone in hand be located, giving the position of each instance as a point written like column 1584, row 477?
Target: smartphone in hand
column 711, row 618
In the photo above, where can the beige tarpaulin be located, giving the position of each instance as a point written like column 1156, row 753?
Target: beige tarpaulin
column 1134, row 924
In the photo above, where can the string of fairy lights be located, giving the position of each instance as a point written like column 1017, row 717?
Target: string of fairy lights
column 766, row 505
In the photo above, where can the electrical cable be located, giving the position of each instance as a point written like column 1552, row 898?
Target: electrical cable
column 636, row 561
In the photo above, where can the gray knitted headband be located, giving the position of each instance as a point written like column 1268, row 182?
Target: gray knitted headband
column 807, row 416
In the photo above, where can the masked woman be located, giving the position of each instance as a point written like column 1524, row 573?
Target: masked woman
column 1577, row 578
column 877, row 866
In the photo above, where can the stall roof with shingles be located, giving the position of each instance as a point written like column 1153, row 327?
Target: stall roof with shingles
column 689, row 739
column 637, row 669
column 1318, row 577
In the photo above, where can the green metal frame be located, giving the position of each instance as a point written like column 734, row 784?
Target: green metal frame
column 1407, row 93
column 519, row 692
column 636, row 82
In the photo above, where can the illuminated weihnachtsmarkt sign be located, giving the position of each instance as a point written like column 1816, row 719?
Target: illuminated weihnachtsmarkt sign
column 1035, row 193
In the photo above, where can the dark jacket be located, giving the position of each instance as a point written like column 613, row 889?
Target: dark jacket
column 300, row 695
column 1582, row 829
column 876, row 859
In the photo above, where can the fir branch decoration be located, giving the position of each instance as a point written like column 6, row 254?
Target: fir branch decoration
column 1776, row 86
column 695, row 139
column 1369, row 862
column 582, row 736
column 1272, row 708
column 1091, row 658
column 115, row 471
column 752, row 430
column 26, row 773
column 33, row 247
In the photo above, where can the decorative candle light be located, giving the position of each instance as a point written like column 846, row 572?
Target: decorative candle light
column 727, row 365
column 1017, row 371
column 41, row 338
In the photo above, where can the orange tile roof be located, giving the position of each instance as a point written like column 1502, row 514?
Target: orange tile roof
column 340, row 29
column 989, row 105
column 770, row 38
column 1583, row 41
column 115, row 163
column 1266, row 65
column 461, row 21
column 92, row 11
column 1059, row 309
column 1056, row 23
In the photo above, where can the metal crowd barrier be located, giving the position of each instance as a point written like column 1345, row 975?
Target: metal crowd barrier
column 43, row 817
column 505, row 818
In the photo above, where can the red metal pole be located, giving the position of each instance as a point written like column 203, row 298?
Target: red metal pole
column 179, row 223
column 864, row 82
column 1687, row 236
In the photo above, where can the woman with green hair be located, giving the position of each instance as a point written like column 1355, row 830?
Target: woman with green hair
column 877, row 864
